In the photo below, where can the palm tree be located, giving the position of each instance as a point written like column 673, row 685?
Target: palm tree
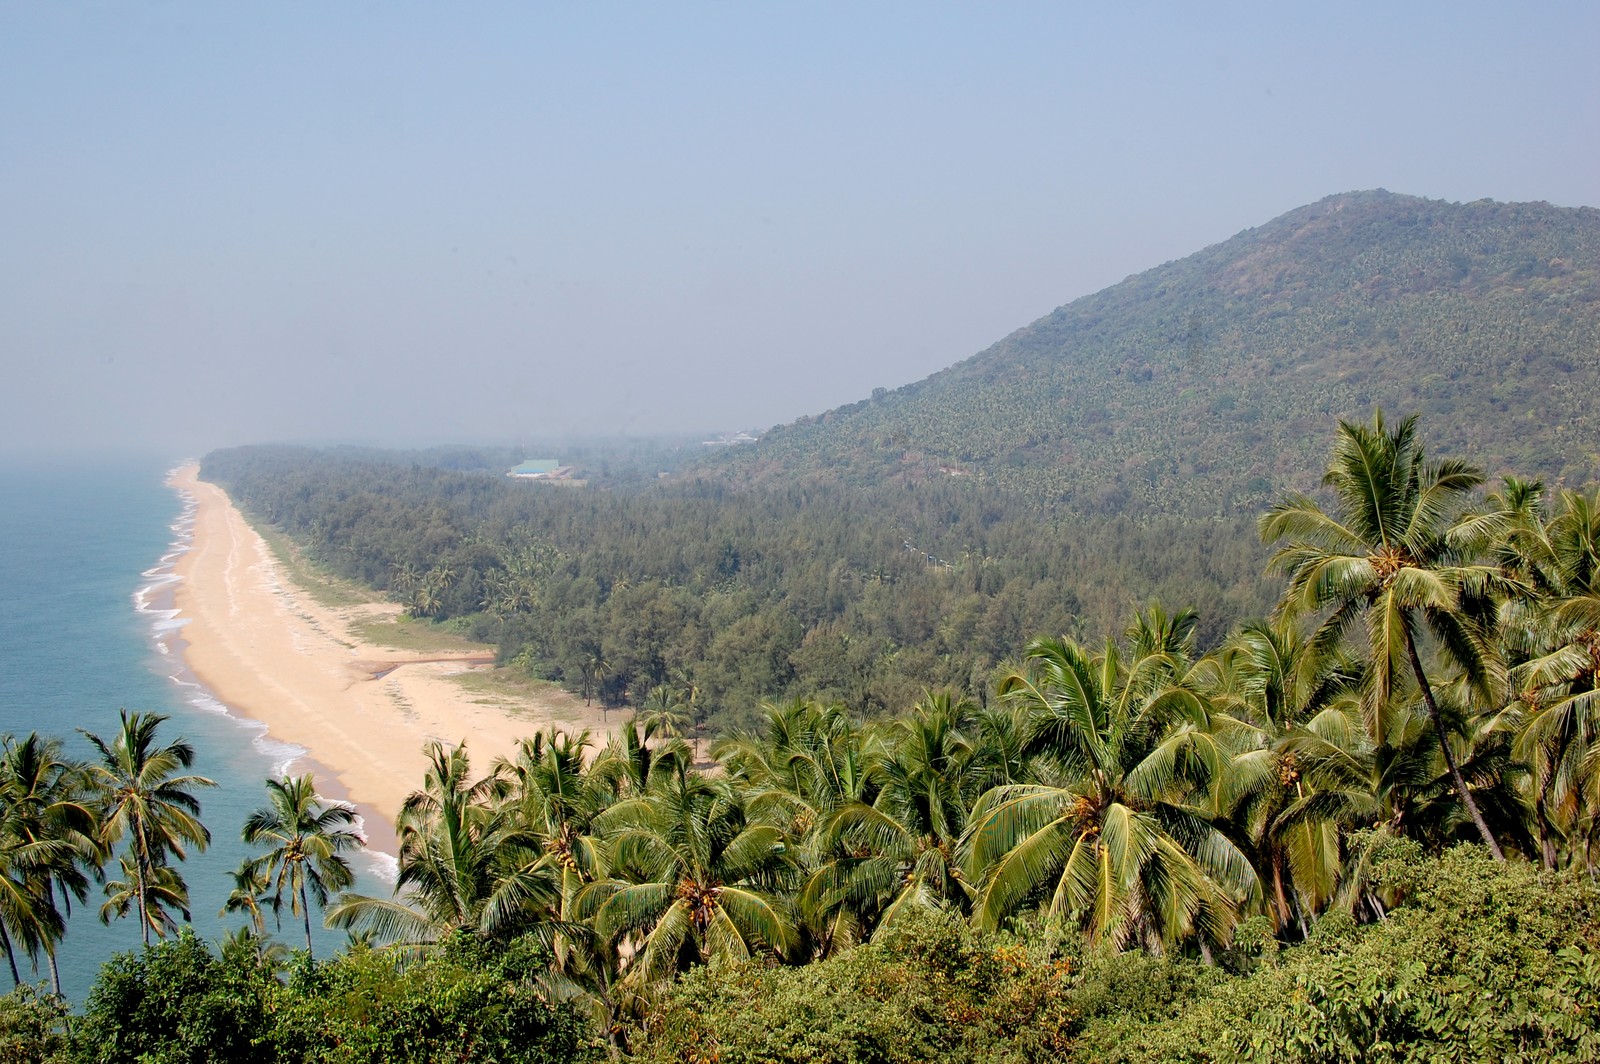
column 595, row 669
column 1123, row 845
column 554, row 800
column 692, row 877
column 150, row 893
column 804, row 764
column 1285, row 712
column 465, row 864
column 1397, row 555
column 251, row 885
column 1552, row 636
column 308, row 839
column 140, row 797
column 662, row 714
column 27, row 918
column 49, row 830
column 898, row 852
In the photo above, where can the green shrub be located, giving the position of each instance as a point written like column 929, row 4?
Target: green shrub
column 931, row 990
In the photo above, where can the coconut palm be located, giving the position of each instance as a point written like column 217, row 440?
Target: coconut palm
column 1398, row 555
column 1552, row 636
column 141, row 797
column 28, row 920
column 692, row 878
column 48, row 830
column 805, row 762
column 1285, row 713
column 250, row 893
column 898, row 852
column 661, row 714
column 308, row 838
column 148, row 892
column 1122, row 845
column 465, row 864
column 554, row 799
column 594, row 670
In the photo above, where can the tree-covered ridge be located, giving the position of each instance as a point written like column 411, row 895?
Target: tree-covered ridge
column 1204, row 386
column 815, row 588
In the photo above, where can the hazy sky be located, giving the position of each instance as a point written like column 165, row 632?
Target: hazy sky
column 402, row 223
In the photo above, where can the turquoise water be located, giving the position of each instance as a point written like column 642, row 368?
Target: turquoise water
column 85, row 556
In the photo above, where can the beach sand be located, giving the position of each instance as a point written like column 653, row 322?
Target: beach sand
column 271, row 652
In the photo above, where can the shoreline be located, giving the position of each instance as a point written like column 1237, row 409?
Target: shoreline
column 355, row 714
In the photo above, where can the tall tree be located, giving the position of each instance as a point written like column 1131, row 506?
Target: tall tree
column 461, row 852
column 48, row 831
column 143, row 798
column 1399, row 554
column 898, row 853
column 308, row 839
column 1124, row 845
column 692, row 877
column 1551, row 635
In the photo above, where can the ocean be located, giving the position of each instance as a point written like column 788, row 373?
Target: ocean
column 86, row 553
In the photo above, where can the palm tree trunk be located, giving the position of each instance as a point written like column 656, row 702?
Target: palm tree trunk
column 1541, row 817
column 140, row 875
column 50, row 947
column 11, row 955
column 305, row 913
column 1277, row 889
column 1444, row 745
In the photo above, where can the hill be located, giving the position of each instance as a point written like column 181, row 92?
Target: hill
column 1210, row 385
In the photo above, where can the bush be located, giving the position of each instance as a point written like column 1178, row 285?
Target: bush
column 177, row 1003
column 467, row 1000
column 33, row 1027
column 932, row 990
column 1481, row 962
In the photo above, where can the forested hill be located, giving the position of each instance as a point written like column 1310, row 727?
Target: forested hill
column 1210, row 385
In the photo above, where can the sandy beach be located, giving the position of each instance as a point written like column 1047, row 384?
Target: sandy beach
column 268, row 650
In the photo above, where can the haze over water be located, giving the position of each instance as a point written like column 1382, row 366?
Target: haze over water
column 85, row 551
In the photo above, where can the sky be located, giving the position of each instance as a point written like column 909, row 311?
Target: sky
column 418, row 223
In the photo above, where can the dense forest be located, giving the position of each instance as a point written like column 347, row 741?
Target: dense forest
column 730, row 598
column 1364, row 827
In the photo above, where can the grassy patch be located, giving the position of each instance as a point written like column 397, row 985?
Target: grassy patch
column 407, row 633
column 511, row 689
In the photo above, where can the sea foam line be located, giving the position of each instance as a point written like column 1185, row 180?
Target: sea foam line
column 166, row 620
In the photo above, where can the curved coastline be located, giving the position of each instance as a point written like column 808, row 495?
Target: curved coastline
column 260, row 648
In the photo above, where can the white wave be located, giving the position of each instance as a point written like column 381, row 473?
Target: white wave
column 384, row 866
column 283, row 754
column 204, row 700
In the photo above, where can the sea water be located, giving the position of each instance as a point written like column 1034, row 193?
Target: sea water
column 87, row 628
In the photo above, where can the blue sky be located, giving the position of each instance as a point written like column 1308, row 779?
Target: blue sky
column 419, row 223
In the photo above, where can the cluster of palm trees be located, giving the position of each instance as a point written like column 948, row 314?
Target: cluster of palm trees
column 1430, row 673
column 63, row 821
column 125, row 820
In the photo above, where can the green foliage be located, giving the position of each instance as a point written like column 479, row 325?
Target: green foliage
column 33, row 1027
column 466, row 1001
column 180, row 1002
column 1481, row 962
column 175, row 1003
column 932, row 990
column 1206, row 385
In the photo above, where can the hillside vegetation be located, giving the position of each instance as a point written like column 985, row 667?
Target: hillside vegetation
column 1206, row 386
column 1115, row 452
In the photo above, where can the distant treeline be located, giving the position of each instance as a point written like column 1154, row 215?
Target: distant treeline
column 732, row 597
